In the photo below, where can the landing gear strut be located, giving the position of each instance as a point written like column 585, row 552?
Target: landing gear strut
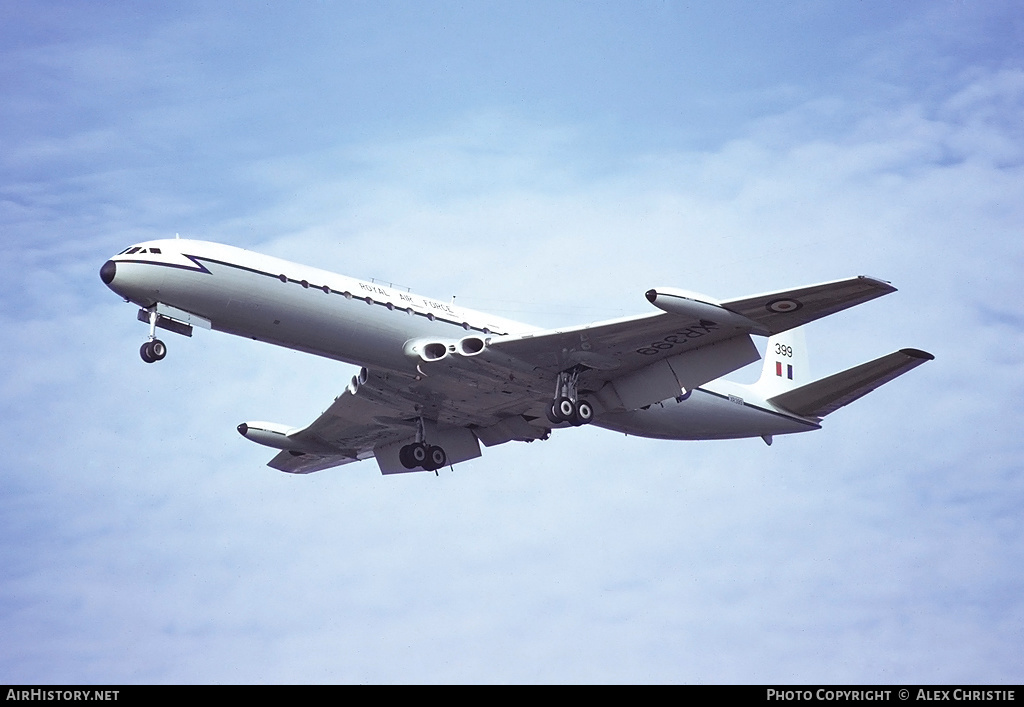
column 566, row 405
column 420, row 454
column 154, row 349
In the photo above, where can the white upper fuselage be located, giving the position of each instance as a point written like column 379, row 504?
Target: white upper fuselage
column 300, row 307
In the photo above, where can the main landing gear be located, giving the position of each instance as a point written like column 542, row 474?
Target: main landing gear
column 154, row 349
column 567, row 405
column 420, row 454
column 430, row 457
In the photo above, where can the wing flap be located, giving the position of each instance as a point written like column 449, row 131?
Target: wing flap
column 616, row 346
column 669, row 377
column 827, row 395
column 308, row 462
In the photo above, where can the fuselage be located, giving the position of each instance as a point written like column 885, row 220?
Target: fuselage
column 370, row 324
column 297, row 306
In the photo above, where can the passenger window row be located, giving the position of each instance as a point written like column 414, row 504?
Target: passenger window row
column 390, row 305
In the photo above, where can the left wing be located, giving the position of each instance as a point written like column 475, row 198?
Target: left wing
column 349, row 430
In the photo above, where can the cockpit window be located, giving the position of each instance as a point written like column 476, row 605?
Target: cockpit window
column 136, row 249
column 155, row 250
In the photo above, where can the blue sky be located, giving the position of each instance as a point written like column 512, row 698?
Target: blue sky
column 549, row 161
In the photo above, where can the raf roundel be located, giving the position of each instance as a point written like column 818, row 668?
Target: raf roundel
column 783, row 306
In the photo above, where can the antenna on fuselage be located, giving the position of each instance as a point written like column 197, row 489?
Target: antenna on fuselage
column 177, row 236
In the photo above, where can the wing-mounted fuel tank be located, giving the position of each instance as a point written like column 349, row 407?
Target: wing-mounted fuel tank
column 284, row 437
column 700, row 307
column 270, row 434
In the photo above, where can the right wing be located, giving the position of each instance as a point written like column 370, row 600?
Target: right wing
column 637, row 361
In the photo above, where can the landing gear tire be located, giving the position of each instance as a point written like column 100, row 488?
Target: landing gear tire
column 153, row 351
column 583, row 413
column 413, row 455
column 436, row 458
column 576, row 413
column 405, row 456
column 419, row 454
column 564, row 408
column 552, row 412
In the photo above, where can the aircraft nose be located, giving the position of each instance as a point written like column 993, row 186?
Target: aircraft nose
column 108, row 271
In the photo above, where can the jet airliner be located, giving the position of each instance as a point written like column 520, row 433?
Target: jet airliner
column 437, row 380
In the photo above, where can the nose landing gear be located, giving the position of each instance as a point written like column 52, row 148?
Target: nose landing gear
column 154, row 349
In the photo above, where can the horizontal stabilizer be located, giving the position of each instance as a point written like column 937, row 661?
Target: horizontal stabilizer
column 827, row 395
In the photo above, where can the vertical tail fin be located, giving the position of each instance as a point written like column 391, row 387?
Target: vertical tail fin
column 785, row 364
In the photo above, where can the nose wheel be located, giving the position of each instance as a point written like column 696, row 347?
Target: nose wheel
column 153, row 351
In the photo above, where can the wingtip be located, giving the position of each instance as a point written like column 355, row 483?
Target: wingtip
column 918, row 353
column 879, row 283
